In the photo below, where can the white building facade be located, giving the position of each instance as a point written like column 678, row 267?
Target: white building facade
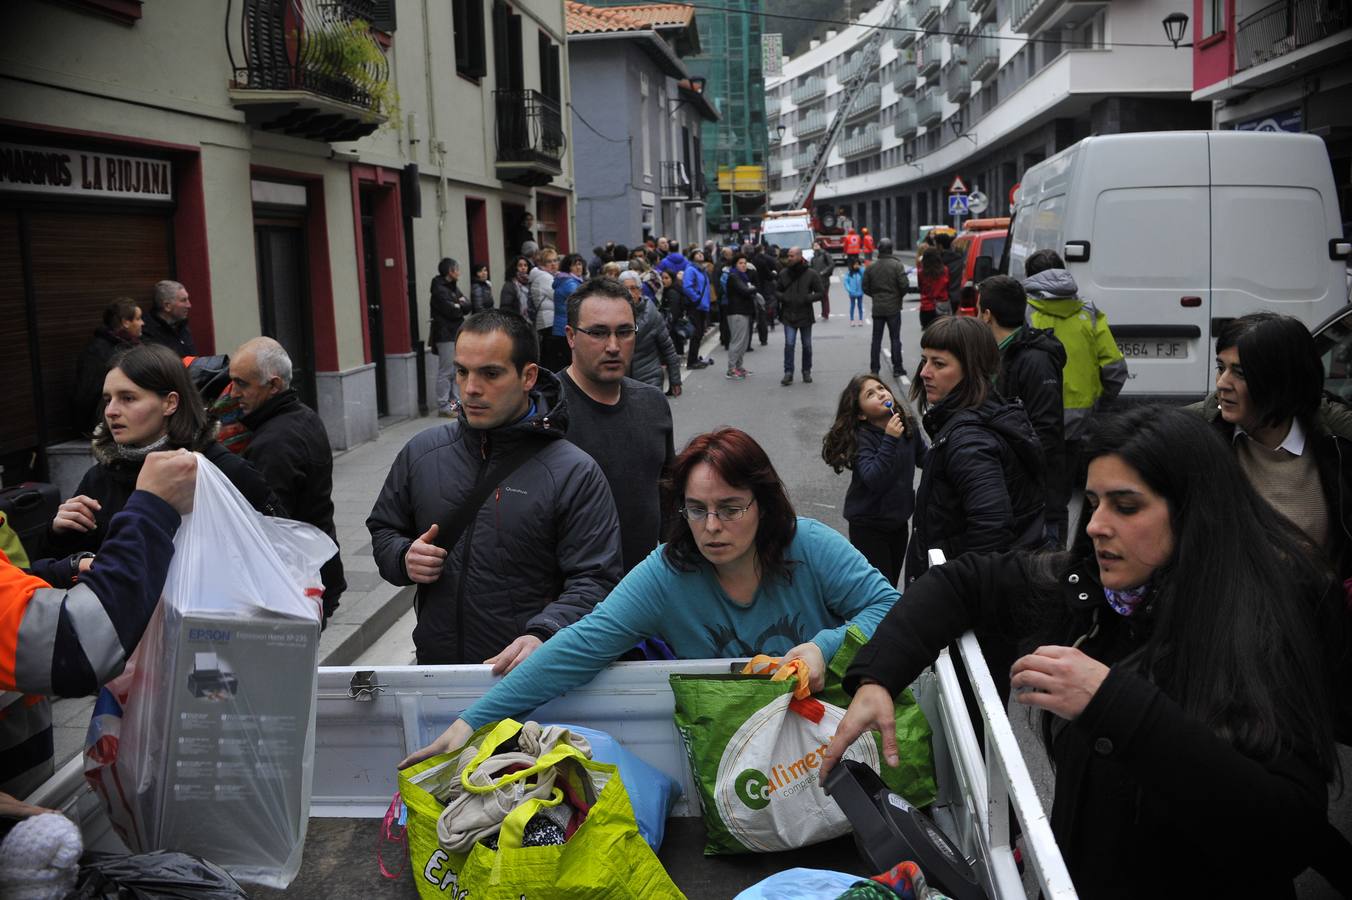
column 976, row 89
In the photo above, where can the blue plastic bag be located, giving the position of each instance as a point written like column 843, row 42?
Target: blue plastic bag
column 801, row 884
column 652, row 792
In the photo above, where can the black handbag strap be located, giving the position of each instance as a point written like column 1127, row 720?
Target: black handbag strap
column 454, row 525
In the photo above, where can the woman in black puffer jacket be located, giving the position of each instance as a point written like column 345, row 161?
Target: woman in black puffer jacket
column 152, row 405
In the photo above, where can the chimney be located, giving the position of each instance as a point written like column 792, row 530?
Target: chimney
column 813, row 44
column 831, row 34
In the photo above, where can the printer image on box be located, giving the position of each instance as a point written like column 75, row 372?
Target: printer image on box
column 211, row 678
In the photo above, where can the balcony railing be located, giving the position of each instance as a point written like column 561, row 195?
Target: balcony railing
column 803, row 158
column 983, row 52
column 984, row 10
column 530, row 140
column 905, row 125
column 870, row 140
column 904, row 81
column 956, row 82
column 1284, row 26
column 925, row 12
column 812, row 89
column 931, row 55
column 850, row 68
column 698, row 188
column 928, row 108
column 814, row 122
column 867, row 102
column 1029, row 16
column 675, row 181
column 905, row 21
column 957, row 17
column 310, row 68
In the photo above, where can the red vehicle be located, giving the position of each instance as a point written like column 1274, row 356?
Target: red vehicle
column 982, row 242
column 826, row 225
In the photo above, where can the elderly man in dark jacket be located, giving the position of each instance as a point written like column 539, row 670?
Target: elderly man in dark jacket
column 289, row 446
column 502, row 569
column 799, row 288
column 886, row 282
column 167, row 323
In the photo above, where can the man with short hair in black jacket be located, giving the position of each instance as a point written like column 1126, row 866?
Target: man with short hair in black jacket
column 167, row 323
column 539, row 551
column 1031, row 361
column 289, row 446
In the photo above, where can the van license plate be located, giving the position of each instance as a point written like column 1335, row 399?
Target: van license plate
column 1153, row 349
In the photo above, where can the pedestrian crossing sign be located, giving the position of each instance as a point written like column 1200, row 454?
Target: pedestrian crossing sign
column 957, row 204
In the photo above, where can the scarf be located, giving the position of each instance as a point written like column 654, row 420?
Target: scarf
column 138, row 454
column 1124, row 603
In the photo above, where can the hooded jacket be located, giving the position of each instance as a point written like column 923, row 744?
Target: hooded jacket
column 886, row 282
column 543, row 549
column 564, row 285
column 1095, row 371
column 741, row 294
column 799, row 288
column 542, row 298
column 693, row 279
column 954, row 262
column 1030, row 372
column 290, row 447
column 982, row 486
column 882, row 493
column 653, row 347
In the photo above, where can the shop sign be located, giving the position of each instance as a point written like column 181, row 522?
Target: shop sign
column 1286, row 120
column 85, row 174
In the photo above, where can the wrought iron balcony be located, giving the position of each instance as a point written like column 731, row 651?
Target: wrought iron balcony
column 983, row 54
column 869, row 140
column 905, row 125
column 867, row 102
column 957, row 17
column 928, row 108
column 1284, row 26
column 310, row 68
column 904, row 81
column 931, row 55
column 530, row 140
column 812, row 89
column 675, row 181
column 803, row 158
column 813, row 123
column 698, row 189
column 905, row 21
column 926, row 12
column 956, row 82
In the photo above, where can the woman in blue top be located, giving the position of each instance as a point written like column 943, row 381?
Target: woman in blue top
column 739, row 575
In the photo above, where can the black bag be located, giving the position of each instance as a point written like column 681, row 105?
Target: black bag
column 162, row 875
column 29, row 508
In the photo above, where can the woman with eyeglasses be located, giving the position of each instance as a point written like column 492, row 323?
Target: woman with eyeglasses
column 740, row 574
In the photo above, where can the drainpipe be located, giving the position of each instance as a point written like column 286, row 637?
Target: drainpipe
column 435, row 148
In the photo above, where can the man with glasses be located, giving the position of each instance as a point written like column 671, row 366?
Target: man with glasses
column 623, row 424
column 508, row 530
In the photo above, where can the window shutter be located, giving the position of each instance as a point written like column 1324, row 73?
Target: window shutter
column 383, row 18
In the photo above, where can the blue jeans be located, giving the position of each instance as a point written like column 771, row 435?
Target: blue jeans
column 893, row 325
column 790, row 339
column 857, row 303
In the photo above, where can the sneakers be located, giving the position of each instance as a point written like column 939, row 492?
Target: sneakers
column 702, row 364
column 744, row 372
column 899, row 373
column 787, row 379
column 735, row 374
column 807, row 378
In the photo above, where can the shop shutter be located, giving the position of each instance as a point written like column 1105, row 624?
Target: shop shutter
column 82, row 261
column 18, row 417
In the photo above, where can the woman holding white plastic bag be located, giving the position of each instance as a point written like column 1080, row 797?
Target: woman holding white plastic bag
column 149, row 403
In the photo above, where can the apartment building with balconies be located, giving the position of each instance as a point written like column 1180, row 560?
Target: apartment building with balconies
column 1279, row 66
column 301, row 166
column 980, row 89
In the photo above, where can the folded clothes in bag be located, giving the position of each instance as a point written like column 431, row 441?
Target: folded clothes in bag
column 604, row 857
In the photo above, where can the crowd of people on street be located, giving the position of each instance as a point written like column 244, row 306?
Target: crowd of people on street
column 1186, row 635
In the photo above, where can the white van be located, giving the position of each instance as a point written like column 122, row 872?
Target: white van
column 1172, row 233
column 789, row 228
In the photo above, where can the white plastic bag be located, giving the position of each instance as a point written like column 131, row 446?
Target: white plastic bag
column 205, row 744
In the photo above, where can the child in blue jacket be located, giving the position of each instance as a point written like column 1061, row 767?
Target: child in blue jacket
column 854, row 286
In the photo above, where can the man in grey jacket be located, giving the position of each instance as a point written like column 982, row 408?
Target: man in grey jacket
column 885, row 281
column 544, row 546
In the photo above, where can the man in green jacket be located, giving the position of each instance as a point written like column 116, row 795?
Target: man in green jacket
column 1094, row 372
column 885, row 281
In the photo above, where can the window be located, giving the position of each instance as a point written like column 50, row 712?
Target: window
column 1213, row 17
column 508, row 58
column 643, row 124
column 551, row 79
column 470, row 58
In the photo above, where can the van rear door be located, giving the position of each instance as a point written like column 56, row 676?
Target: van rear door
column 1273, row 213
column 1142, row 202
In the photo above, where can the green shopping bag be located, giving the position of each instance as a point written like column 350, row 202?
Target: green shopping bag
column 605, row 858
column 755, row 751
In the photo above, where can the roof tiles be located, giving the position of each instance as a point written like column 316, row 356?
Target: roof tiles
column 584, row 19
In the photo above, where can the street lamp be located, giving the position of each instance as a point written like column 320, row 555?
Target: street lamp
column 956, row 124
column 1175, row 26
column 779, row 130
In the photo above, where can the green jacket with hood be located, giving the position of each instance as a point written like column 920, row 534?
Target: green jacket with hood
column 1095, row 370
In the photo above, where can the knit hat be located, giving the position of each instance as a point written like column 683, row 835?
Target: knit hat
column 40, row 858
